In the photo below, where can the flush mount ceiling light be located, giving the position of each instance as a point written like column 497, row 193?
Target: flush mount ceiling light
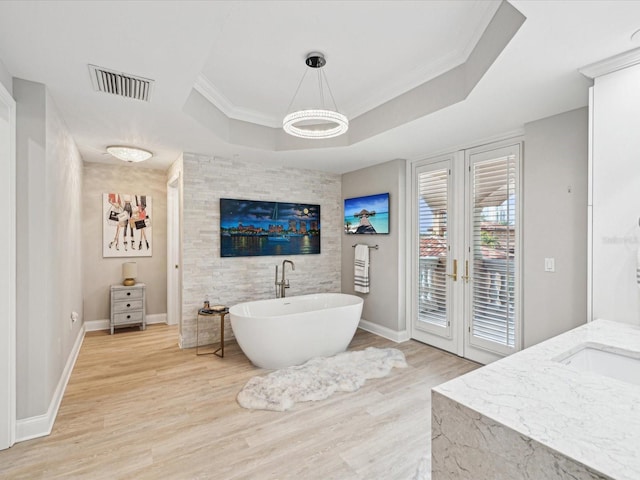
column 317, row 122
column 129, row 154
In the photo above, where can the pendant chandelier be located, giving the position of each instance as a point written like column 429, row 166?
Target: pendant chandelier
column 319, row 122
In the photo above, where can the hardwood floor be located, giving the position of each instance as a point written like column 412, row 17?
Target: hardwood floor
column 138, row 407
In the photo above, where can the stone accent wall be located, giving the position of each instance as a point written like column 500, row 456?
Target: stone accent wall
column 233, row 280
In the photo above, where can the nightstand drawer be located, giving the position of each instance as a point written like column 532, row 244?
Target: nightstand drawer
column 127, row 306
column 124, row 318
column 132, row 294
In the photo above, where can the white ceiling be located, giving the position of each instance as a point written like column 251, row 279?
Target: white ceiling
column 251, row 55
column 368, row 62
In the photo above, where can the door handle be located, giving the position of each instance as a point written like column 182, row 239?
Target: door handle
column 466, row 276
column 454, row 275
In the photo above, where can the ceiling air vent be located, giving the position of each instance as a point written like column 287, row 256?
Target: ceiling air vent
column 122, row 84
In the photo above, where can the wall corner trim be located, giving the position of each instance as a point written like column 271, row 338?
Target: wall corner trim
column 41, row 425
column 385, row 332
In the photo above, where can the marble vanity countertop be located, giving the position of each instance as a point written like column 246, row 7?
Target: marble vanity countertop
column 588, row 417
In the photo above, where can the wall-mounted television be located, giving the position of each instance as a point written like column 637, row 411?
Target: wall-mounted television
column 367, row 215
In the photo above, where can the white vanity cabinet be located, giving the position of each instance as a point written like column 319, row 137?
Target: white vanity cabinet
column 128, row 306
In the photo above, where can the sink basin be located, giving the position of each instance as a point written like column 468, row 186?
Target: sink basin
column 604, row 360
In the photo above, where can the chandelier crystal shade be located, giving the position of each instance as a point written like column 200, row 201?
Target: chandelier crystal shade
column 129, row 154
column 315, row 123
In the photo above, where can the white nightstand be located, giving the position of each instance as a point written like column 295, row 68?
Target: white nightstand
column 128, row 306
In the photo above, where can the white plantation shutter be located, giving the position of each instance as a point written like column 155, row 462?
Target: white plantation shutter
column 493, row 210
column 433, row 206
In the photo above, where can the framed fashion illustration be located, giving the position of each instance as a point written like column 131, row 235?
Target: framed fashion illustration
column 126, row 225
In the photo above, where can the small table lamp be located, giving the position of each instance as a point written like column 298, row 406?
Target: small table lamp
column 129, row 272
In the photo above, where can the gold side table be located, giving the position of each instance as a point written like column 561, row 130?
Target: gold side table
column 211, row 313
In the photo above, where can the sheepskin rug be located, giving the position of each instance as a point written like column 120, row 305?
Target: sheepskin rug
column 319, row 378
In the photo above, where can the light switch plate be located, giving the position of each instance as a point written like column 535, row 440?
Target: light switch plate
column 550, row 264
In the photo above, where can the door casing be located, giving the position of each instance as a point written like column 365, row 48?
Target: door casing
column 7, row 270
column 174, row 277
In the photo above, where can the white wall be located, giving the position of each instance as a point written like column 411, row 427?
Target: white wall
column 33, row 332
column 555, row 225
column 49, row 233
column 65, row 214
column 616, row 195
column 384, row 310
column 238, row 279
column 5, row 77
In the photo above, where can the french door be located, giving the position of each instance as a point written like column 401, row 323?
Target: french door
column 466, row 274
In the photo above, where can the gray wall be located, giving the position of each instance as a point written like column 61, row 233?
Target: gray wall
column 101, row 272
column 555, row 224
column 48, row 250
column 232, row 280
column 384, row 308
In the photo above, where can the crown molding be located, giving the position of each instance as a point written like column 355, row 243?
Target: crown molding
column 222, row 103
column 213, row 111
column 611, row 64
column 422, row 73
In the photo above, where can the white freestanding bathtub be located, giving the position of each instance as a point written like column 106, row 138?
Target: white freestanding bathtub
column 289, row 331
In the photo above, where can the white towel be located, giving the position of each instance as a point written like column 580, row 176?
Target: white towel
column 361, row 269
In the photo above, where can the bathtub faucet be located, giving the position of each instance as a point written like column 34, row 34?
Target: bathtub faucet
column 283, row 283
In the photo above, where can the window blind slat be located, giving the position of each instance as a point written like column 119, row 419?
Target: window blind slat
column 433, row 192
column 493, row 227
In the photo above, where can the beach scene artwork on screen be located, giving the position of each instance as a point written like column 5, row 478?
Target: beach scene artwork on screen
column 253, row 227
column 367, row 215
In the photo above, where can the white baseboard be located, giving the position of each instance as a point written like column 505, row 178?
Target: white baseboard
column 95, row 325
column 41, row 425
column 157, row 318
column 385, row 332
